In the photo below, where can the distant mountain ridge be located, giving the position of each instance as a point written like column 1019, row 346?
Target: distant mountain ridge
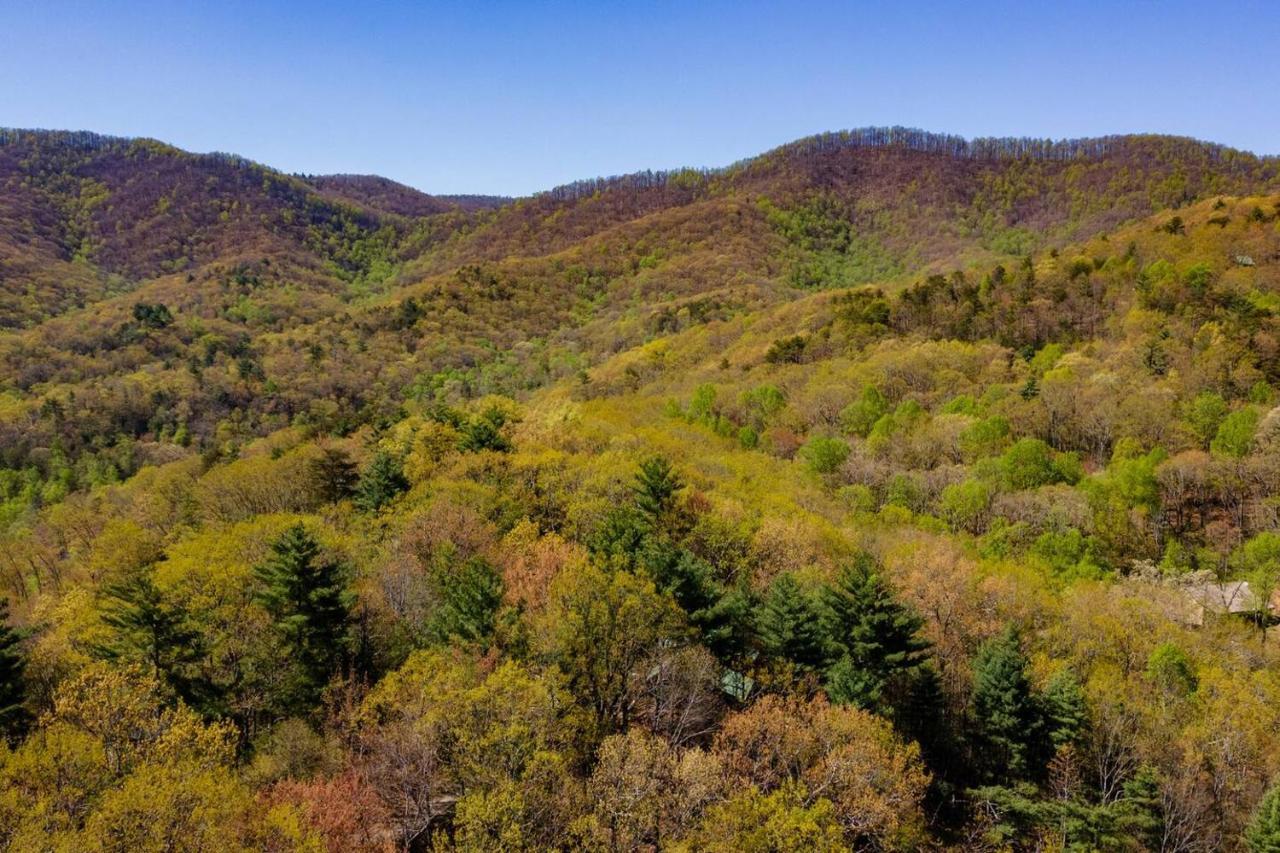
column 407, row 291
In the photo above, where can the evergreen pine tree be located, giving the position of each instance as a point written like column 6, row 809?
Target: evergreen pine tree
column 485, row 433
column 381, row 481
column 920, row 715
column 159, row 633
column 874, row 639
column 726, row 625
column 1004, row 708
column 1262, row 835
column 689, row 580
column 1140, row 812
column 720, row 615
column 333, row 475
column 1066, row 714
column 308, row 601
column 788, row 625
column 469, row 600
column 13, row 716
column 655, row 489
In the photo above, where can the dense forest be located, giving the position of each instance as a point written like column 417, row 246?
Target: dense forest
column 887, row 491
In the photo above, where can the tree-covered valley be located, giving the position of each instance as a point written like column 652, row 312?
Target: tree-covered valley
column 885, row 491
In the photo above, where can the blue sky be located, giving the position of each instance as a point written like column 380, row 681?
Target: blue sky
column 507, row 97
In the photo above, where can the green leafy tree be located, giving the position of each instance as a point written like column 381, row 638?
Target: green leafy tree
column 1004, row 708
column 824, row 455
column 382, row 480
column 307, row 598
column 1204, row 414
column 876, row 639
column 1259, row 562
column 861, row 415
column 789, row 625
column 1169, row 668
column 1235, row 433
column 13, row 716
column 147, row 628
column 1030, row 463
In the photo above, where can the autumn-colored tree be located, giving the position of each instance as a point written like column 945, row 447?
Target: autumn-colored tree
column 600, row 628
column 875, row 781
column 754, row 822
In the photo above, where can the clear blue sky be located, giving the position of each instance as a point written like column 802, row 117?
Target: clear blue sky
column 509, row 97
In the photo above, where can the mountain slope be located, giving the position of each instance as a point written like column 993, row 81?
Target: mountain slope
column 288, row 296
column 116, row 212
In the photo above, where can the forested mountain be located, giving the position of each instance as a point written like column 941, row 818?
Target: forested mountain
column 885, row 491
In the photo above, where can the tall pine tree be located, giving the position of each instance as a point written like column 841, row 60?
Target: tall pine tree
column 874, row 639
column 147, row 628
column 381, row 481
column 13, row 716
column 789, row 627
column 1140, row 812
column 1004, row 709
column 655, row 490
column 470, row 595
column 307, row 598
column 333, row 475
column 720, row 615
column 1066, row 712
column 1262, row 835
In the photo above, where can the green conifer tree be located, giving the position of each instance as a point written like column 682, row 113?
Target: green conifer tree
column 469, row 598
column 1004, row 708
column 1140, row 812
column 720, row 615
column 789, row 626
column 381, row 481
column 148, row 628
column 13, row 716
column 1066, row 713
column 485, row 433
column 307, row 598
column 655, row 490
column 333, row 475
column 874, row 639
column 1262, row 835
